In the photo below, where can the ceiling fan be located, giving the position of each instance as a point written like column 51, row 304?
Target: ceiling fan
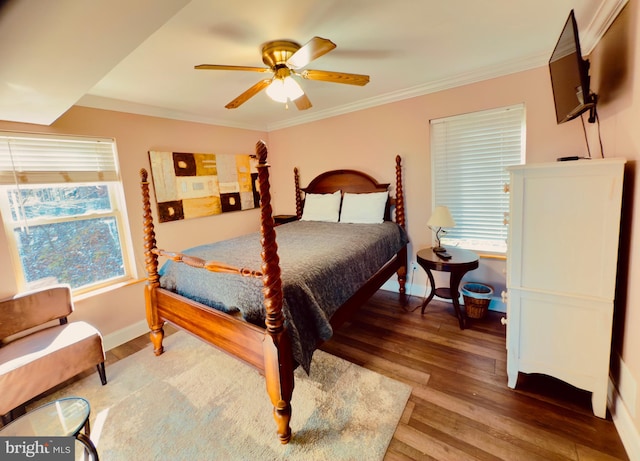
column 285, row 58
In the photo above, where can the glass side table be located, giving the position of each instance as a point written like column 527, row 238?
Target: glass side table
column 66, row 417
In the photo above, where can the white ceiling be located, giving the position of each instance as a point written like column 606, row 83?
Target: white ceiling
column 138, row 55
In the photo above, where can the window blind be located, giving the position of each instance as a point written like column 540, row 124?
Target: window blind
column 46, row 159
column 469, row 155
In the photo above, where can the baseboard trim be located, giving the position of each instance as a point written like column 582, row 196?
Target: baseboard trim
column 624, row 423
column 420, row 291
column 124, row 335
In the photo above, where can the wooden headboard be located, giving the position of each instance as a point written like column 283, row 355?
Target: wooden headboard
column 345, row 180
column 352, row 181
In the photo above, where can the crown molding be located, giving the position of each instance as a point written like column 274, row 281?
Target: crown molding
column 478, row 75
column 602, row 20
column 118, row 105
column 606, row 13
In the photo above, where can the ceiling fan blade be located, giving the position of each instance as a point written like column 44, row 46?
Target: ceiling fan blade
column 302, row 103
column 335, row 77
column 311, row 50
column 251, row 92
column 222, row 67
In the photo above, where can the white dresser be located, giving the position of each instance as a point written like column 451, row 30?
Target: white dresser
column 562, row 256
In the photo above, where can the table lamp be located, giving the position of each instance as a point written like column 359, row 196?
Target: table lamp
column 440, row 218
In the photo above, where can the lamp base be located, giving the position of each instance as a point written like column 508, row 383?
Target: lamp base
column 439, row 249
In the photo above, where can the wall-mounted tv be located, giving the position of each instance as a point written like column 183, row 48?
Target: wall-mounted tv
column 570, row 75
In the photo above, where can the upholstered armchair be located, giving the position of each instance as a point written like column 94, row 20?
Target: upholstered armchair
column 40, row 348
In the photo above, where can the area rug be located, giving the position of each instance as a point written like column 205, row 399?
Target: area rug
column 196, row 403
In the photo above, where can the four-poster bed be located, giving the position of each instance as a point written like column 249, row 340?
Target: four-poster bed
column 294, row 318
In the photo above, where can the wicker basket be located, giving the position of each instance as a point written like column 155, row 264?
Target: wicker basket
column 477, row 298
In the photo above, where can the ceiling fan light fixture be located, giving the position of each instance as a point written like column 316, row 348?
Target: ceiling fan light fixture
column 284, row 89
column 281, row 57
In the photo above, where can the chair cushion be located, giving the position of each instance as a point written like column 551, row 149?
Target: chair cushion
column 35, row 363
column 32, row 309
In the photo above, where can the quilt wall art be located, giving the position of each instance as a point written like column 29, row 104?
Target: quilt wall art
column 192, row 185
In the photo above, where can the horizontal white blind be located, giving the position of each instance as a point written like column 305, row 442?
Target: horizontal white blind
column 45, row 159
column 469, row 154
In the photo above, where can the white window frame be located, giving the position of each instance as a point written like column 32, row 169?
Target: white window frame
column 43, row 160
column 469, row 156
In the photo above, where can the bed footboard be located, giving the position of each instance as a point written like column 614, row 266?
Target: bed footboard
column 269, row 349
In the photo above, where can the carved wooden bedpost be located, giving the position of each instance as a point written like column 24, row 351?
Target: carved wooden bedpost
column 400, row 220
column 296, row 178
column 151, row 263
column 278, row 357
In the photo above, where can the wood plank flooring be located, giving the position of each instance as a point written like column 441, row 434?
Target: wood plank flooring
column 460, row 407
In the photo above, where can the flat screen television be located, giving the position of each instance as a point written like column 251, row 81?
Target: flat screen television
column 570, row 75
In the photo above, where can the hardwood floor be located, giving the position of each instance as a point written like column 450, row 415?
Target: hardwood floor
column 460, row 407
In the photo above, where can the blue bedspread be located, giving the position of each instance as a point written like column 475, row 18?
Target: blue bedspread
column 322, row 265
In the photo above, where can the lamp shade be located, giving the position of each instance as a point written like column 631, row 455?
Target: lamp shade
column 441, row 217
column 283, row 89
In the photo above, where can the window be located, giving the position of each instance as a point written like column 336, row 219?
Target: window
column 469, row 154
column 62, row 205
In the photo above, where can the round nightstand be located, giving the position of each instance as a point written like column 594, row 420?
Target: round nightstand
column 461, row 262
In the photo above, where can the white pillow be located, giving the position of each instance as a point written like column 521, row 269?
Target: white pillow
column 322, row 207
column 366, row 208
